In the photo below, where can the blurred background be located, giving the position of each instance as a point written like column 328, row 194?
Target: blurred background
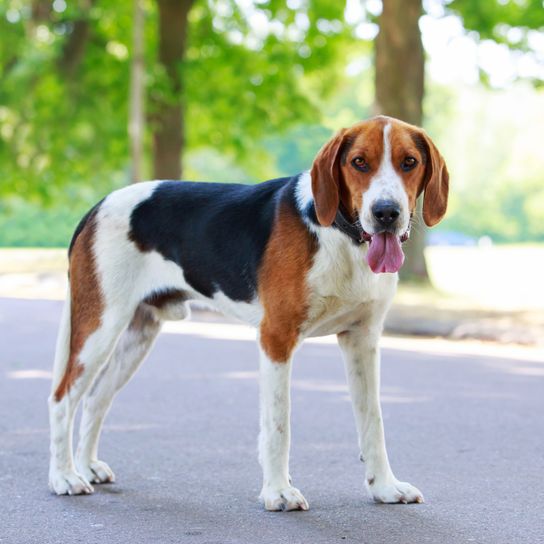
column 95, row 95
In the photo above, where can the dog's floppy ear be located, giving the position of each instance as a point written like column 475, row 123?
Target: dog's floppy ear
column 436, row 184
column 326, row 179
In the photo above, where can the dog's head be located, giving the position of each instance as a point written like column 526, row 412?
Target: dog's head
column 375, row 171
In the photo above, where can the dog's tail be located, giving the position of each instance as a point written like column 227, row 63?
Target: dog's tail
column 62, row 350
column 64, row 370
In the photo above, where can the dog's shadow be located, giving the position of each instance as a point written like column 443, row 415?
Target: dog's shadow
column 187, row 518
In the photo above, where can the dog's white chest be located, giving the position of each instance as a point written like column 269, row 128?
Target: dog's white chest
column 343, row 289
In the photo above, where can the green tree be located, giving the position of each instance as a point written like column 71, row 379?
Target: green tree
column 494, row 20
column 168, row 118
column 63, row 98
column 233, row 75
column 400, row 71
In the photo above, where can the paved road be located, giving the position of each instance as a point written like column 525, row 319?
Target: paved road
column 467, row 430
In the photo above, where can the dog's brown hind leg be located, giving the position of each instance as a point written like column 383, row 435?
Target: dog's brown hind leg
column 88, row 333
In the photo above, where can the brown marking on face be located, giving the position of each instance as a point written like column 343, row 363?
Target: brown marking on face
column 86, row 302
column 282, row 283
column 404, row 144
column 335, row 180
column 367, row 138
column 430, row 174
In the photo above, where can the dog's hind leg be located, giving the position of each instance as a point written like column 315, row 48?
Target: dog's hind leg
column 129, row 353
column 90, row 327
column 80, row 369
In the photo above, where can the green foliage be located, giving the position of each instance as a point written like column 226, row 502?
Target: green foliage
column 242, row 82
column 264, row 87
column 64, row 127
column 493, row 19
column 249, row 71
column 491, row 142
column 30, row 225
column 58, row 127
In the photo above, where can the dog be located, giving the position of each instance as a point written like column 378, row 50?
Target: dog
column 310, row 255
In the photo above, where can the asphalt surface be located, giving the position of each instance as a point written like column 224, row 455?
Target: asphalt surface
column 467, row 430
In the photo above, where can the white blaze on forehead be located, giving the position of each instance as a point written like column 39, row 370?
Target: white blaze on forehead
column 386, row 180
column 386, row 184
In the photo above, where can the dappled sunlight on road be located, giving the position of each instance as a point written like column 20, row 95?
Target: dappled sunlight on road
column 30, row 374
column 462, row 421
column 111, row 428
column 389, row 394
column 527, row 369
column 240, row 375
column 438, row 347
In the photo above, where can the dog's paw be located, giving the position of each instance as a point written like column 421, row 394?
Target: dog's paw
column 393, row 491
column 279, row 500
column 69, row 483
column 96, row 472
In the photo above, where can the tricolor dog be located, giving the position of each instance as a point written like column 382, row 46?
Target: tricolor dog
column 310, row 255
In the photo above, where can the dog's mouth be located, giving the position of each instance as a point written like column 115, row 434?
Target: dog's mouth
column 384, row 251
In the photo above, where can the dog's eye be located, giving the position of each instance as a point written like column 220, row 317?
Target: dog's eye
column 408, row 163
column 360, row 164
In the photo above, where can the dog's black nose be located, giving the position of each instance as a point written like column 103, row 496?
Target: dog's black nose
column 386, row 212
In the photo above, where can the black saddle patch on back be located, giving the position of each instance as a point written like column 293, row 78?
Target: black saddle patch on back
column 217, row 233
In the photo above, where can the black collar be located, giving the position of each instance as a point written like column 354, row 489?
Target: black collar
column 352, row 228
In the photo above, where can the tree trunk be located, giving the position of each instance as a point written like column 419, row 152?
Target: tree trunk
column 73, row 49
column 168, row 133
column 40, row 14
column 40, row 11
column 400, row 67
column 136, row 121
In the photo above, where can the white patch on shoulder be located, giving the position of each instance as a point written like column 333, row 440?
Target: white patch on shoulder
column 386, row 184
column 305, row 197
column 126, row 274
column 304, row 193
column 120, row 203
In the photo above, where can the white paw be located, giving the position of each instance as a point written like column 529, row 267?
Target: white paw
column 279, row 500
column 392, row 491
column 69, row 483
column 96, row 472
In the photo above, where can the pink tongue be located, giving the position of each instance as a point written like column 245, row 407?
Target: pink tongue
column 384, row 253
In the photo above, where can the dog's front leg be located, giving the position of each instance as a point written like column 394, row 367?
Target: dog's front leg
column 274, row 440
column 362, row 360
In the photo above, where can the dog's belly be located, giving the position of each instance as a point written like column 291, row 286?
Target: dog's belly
column 326, row 314
column 250, row 313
